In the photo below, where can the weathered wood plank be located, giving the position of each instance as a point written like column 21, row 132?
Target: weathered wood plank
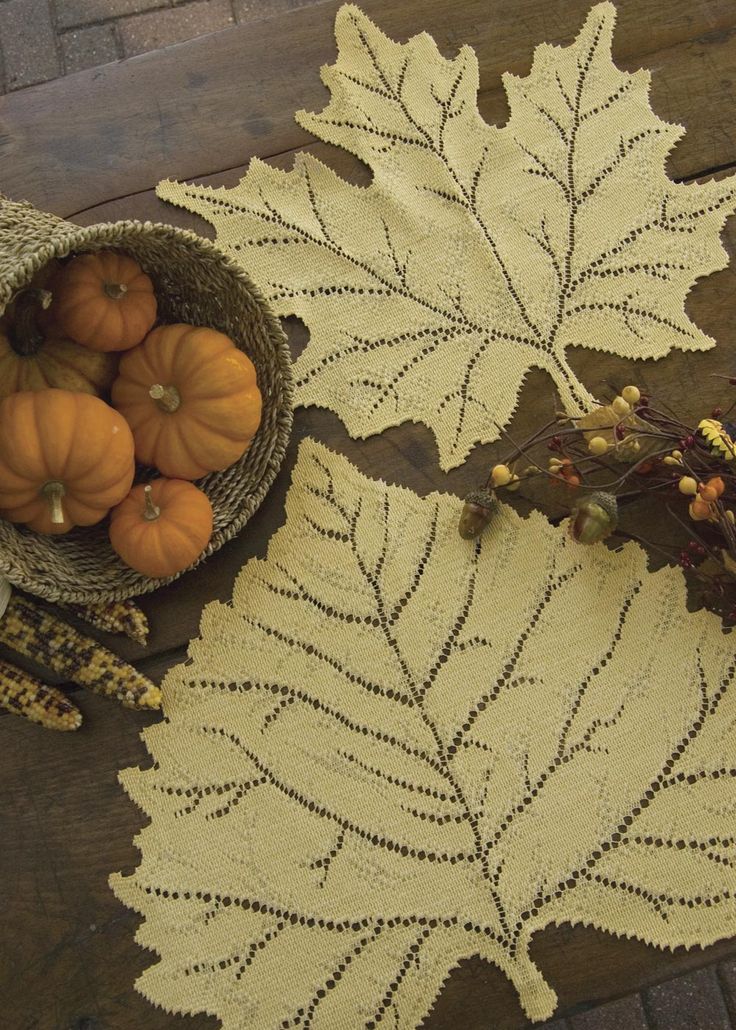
column 67, row 958
column 223, row 98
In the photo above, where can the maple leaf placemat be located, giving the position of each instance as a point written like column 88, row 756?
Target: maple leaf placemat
column 397, row 749
column 477, row 252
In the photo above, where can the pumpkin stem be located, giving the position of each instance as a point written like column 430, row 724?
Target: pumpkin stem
column 168, row 398
column 25, row 336
column 53, row 491
column 151, row 511
column 115, row 290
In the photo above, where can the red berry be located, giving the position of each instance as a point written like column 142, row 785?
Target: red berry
column 620, row 432
column 732, row 381
column 555, row 443
column 643, row 401
column 716, row 413
column 687, row 442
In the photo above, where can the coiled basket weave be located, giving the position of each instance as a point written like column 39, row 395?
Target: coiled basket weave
column 196, row 284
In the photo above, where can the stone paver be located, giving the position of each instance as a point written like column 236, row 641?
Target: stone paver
column 28, row 43
column 622, row 1014
column 42, row 39
column 252, row 10
column 690, row 1002
column 88, row 47
column 71, row 13
column 158, row 29
column 727, row 979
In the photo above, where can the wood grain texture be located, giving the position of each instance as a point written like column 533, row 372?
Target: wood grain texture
column 67, row 955
column 231, row 95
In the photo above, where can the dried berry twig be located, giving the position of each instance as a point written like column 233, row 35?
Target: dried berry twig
column 627, row 449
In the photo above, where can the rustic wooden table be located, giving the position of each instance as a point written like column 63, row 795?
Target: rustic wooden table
column 91, row 147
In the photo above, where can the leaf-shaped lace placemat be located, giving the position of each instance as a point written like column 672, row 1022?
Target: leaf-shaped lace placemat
column 396, row 749
column 477, row 252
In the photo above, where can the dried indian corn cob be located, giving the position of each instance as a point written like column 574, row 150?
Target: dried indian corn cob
column 114, row 617
column 32, row 631
column 23, row 695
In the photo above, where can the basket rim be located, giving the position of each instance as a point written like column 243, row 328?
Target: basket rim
column 67, row 237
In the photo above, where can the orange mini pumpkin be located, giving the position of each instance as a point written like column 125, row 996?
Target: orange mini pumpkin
column 161, row 528
column 191, row 399
column 65, row 459
column 34, row 356
column 104, row 301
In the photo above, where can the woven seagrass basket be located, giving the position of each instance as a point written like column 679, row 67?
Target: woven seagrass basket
column 194, row 283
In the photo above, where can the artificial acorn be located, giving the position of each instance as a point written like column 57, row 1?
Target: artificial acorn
column 593, row 518
column 476, row 514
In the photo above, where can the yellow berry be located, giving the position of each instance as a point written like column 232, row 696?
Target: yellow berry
column 730, row 516
column 513, row 483
column 597, row 445
column 500, row 475
column 677, row 455
column 670, row 460
column 631, row 394
column 688, row 486
column 620, row 406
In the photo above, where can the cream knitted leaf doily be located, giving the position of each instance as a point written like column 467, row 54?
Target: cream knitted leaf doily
column 396, row 749
column 477, row 252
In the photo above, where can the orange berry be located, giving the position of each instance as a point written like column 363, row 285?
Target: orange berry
column 717, row 484
column 700, row 510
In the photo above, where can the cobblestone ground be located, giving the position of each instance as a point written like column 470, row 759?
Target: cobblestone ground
column 701, row 1000
column 44, row 39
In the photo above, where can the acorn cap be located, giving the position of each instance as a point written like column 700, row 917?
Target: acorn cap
column 604, row 500
column 483, row 498
column 593, row 518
